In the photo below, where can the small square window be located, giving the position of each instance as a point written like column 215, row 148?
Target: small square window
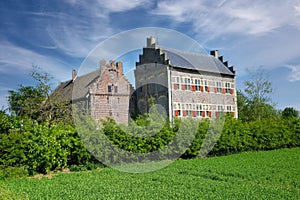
column 109, row 88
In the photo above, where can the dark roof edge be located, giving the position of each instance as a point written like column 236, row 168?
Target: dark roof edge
column 209, row 72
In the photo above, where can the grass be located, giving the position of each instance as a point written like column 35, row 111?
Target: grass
column 252, row 175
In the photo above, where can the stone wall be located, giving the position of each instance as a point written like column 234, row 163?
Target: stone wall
column 110, row 94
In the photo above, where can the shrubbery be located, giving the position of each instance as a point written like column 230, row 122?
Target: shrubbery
column 40, row 147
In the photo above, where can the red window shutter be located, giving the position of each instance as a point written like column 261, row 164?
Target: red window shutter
column 176, row 112
column 183, row 87
column 217, row 113
column 231, row 91
column 208, row 89
column 193, row 87
column 203, row 113
column 201, row 88
column 232, row 114
column 209, row 113
column 194, row 113
column 223, row 90
column 215, row 89
column 184, row 113
column 175, row 86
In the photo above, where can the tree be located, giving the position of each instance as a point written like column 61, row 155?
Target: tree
column 36, row 101
column 289, row 112
column 26, row 100
column 255, row 102
column 242, row 104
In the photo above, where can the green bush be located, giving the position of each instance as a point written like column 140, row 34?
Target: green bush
column 41, row 147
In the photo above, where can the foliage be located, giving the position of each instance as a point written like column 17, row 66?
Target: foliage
column 289, row 112
column 40, row 147
column 255, row 101
column 37, row 102
column 26, row 100
column 254, row 175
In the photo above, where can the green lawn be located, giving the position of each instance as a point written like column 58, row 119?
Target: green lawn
column 254, row 175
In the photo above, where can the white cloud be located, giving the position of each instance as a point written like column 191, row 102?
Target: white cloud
column 122, row 5
column 248, row 16
column 294, row 74
column 76, row 35
column 18, row 60
column 297, row 9
column 106, row 6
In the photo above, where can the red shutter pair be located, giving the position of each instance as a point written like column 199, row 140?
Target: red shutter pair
column 194, row 113
column 184, row 113
column 209, row 113
column 175, row 87
column 193, row 87
column 176, row 112
column 201, row 88
column 224, row 90
column 231, row 91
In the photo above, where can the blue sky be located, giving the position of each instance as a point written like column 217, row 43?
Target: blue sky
column 58, row 35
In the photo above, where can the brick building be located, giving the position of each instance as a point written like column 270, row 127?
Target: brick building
column 101, row 93
column 185, row 84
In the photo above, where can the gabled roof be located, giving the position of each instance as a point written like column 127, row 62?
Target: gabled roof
column 195, row 61
column 81, row 85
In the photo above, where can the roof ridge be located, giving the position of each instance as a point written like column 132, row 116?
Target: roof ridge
column 182, row 51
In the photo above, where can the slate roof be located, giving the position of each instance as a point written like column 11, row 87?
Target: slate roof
column 198, row 61
column 77, row 89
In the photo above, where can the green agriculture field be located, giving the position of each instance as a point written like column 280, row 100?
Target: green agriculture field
column 254, row 175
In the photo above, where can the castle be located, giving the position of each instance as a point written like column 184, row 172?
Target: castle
column 183, row 84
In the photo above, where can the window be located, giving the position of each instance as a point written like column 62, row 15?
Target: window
column 206, row 86
column 177, row 109
column 227, row 87
column 220, row 108
column 188, row 83
column 218, row 87
column 109, row 88
column 116, row 89
column 228, row 108
column 176, row 83
column 197, row 82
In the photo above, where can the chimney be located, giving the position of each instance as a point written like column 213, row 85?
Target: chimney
column 119, row 65
column 111, row 63
column 102, row 65
column 74, row 74
column 214, row 53
column 151, row 42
